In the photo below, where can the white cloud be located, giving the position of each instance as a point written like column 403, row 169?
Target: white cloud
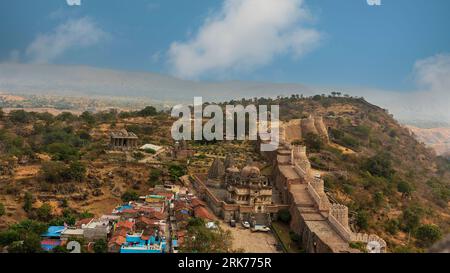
column 433, row 73
column 430, row 101
column 73, row 2
column 244, row 35
column 72, row 34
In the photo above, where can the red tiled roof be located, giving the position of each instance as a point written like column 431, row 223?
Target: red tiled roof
column 202, row 212
column 147, row 210
column 125, row 224
column 130, row 211
column 168, row 195
column 181, row 206
column 118, row 240
column 145, row 220
column 157, row 215
column 197, row 202
column 150, row 209
column 120, row 232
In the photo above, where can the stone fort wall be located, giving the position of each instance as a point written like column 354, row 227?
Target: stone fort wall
column 323, row 226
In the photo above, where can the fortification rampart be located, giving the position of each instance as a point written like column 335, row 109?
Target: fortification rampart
column 323, row 226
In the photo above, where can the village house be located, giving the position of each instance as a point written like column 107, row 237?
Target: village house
column 97, row 229
column 52, row 238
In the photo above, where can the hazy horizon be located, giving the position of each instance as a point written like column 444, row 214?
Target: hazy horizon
column 408, row 107
column 222, row 49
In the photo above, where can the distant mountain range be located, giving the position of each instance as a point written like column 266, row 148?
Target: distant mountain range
column 89, row 81
column 407, row 107
column 436, row 138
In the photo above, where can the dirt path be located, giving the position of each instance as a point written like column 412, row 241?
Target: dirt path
column 251, row 242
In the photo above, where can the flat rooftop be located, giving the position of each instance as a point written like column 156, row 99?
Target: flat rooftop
column 123, row 134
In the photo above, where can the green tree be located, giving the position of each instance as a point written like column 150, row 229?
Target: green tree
column 60, row 249
column 392, row 226
column 285, row 216
column 404, row 188
column 8, row 236
column 64, row 203
column 378, row 198
column 362, row 131
column 411, row 219
column 317, row 97
column 20, row 116
column 148, row 111
column 100, row 246
column 2, row 209
column 28, row 202
column 138, row 155
column 88, row 118
column 85, row 215
column 44, row 212
column 66, row 116
column 200, row 239
column 362, row 220
column 29, row 226
column 379, row 165
column 176, row 171
column 313, row 142
column 76, row 171
column 428, row 235
column 53, row 171
column 63, row 152
column 31, row 244
column 130, row 196
column 154, row 178
column 84, row 135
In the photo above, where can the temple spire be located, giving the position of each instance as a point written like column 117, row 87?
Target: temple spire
column 229, row 162
column 217, row 169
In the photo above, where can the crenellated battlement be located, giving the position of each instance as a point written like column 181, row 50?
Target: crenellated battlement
column 309, row 192
column 340, row 212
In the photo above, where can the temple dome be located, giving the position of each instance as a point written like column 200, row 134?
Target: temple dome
column 232, row 170
column 250, row 171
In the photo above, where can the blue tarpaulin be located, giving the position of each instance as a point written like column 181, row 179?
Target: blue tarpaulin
column 54, row 231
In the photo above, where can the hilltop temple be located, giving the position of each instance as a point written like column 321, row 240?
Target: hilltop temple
column 123, row 140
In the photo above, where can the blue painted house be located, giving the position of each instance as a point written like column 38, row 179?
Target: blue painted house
column 52, row 237
column 140, row 244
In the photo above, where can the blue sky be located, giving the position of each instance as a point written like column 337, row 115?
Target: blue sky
column 350, row 43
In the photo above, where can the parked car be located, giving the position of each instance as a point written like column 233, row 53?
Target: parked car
column 260, row 228
column 246, row 224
